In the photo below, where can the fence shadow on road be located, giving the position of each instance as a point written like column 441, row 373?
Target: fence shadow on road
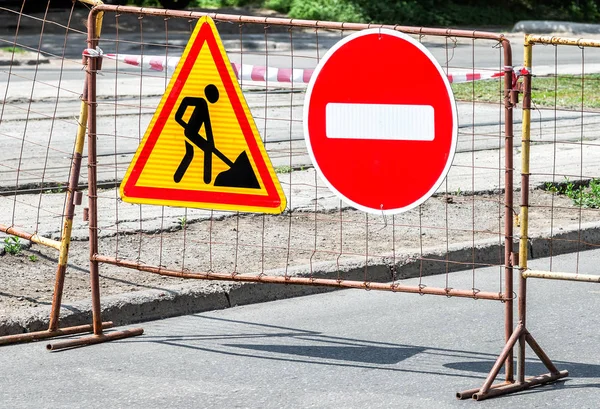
column 315, row 347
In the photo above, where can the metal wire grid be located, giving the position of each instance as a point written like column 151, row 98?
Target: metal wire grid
column 564, row 163
column 317, row 235
column 38, row 119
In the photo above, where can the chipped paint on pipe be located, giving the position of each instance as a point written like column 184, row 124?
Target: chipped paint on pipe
column 33, row 237
column 551, row 275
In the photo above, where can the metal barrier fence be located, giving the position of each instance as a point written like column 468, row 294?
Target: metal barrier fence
column 317, row 240
column 40, row 163
column 566, row 137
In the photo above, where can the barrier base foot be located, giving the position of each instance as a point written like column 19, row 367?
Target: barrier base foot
column 38, row 335
column 95, row 339
column 468, row 394
column 505, row 389
column 489, row 390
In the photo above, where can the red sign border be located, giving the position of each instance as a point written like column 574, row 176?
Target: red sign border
column 131, row 190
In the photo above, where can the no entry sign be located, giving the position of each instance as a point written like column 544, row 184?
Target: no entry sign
column 380, row 121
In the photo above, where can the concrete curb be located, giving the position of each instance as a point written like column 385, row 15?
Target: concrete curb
column 33, row 61
column 8, row 58
column 193, row 298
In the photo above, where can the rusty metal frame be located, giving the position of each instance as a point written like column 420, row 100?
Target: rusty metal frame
column 521, row 335
column 93, row 66
column 506, row 358
column 530, row 40
column 62, row 246
column 506, row 297
column 33, row 237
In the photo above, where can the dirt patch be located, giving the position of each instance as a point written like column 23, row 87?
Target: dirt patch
column 263, row 244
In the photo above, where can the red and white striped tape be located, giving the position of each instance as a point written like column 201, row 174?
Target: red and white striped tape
column 271, row 74
column 473, row 76
column 259, row 73
column 245, row 72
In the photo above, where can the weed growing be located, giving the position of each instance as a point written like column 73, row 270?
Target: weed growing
column 283, row 169
column 13, row 245
column 183, row 222
column 581, row 195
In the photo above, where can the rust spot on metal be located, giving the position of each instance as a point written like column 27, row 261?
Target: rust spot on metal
column 78, row 198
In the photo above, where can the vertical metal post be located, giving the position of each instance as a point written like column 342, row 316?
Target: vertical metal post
column 508, row 205
column 65, row 241
column 69, row 213
column 523, row 243
column 92, row 185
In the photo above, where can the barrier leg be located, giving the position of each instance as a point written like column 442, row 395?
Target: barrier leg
column 63, row 245
column 520, row 334
column 97, row 326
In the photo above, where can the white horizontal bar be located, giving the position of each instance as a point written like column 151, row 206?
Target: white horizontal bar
column 380, row 121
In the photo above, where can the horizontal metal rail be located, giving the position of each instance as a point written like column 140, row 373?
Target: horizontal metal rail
column 326, row 282
column 551, row 275
column 33, row 237
column 580, row 42
column 274, row 21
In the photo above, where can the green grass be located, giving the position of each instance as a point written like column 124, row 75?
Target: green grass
column 479, row 91
column 564, row 91
column 15, row 50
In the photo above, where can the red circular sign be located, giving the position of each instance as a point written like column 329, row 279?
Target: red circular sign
column 380, row 121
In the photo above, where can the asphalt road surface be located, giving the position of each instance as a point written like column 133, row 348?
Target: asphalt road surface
column 347, row 349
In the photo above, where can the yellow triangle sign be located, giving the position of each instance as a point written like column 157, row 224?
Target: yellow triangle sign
column 202, row 148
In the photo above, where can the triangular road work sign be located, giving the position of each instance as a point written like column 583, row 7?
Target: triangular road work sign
column 202, row 148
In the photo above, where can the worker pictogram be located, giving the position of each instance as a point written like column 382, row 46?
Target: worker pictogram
column 240, row 173
column 202, row 148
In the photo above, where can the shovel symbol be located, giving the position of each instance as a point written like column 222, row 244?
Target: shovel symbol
column 240, row 172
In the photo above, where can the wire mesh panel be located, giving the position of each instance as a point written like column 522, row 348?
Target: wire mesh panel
column 41, row 85
column 564, row 193
column 41, row 88
column 318, row 237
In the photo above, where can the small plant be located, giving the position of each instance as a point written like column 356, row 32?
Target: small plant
column 549, row 187
column 60, row 188
column 33, row 258
column 581, row 195
column 283, row 169
column 182, row 222
column 13, row 245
